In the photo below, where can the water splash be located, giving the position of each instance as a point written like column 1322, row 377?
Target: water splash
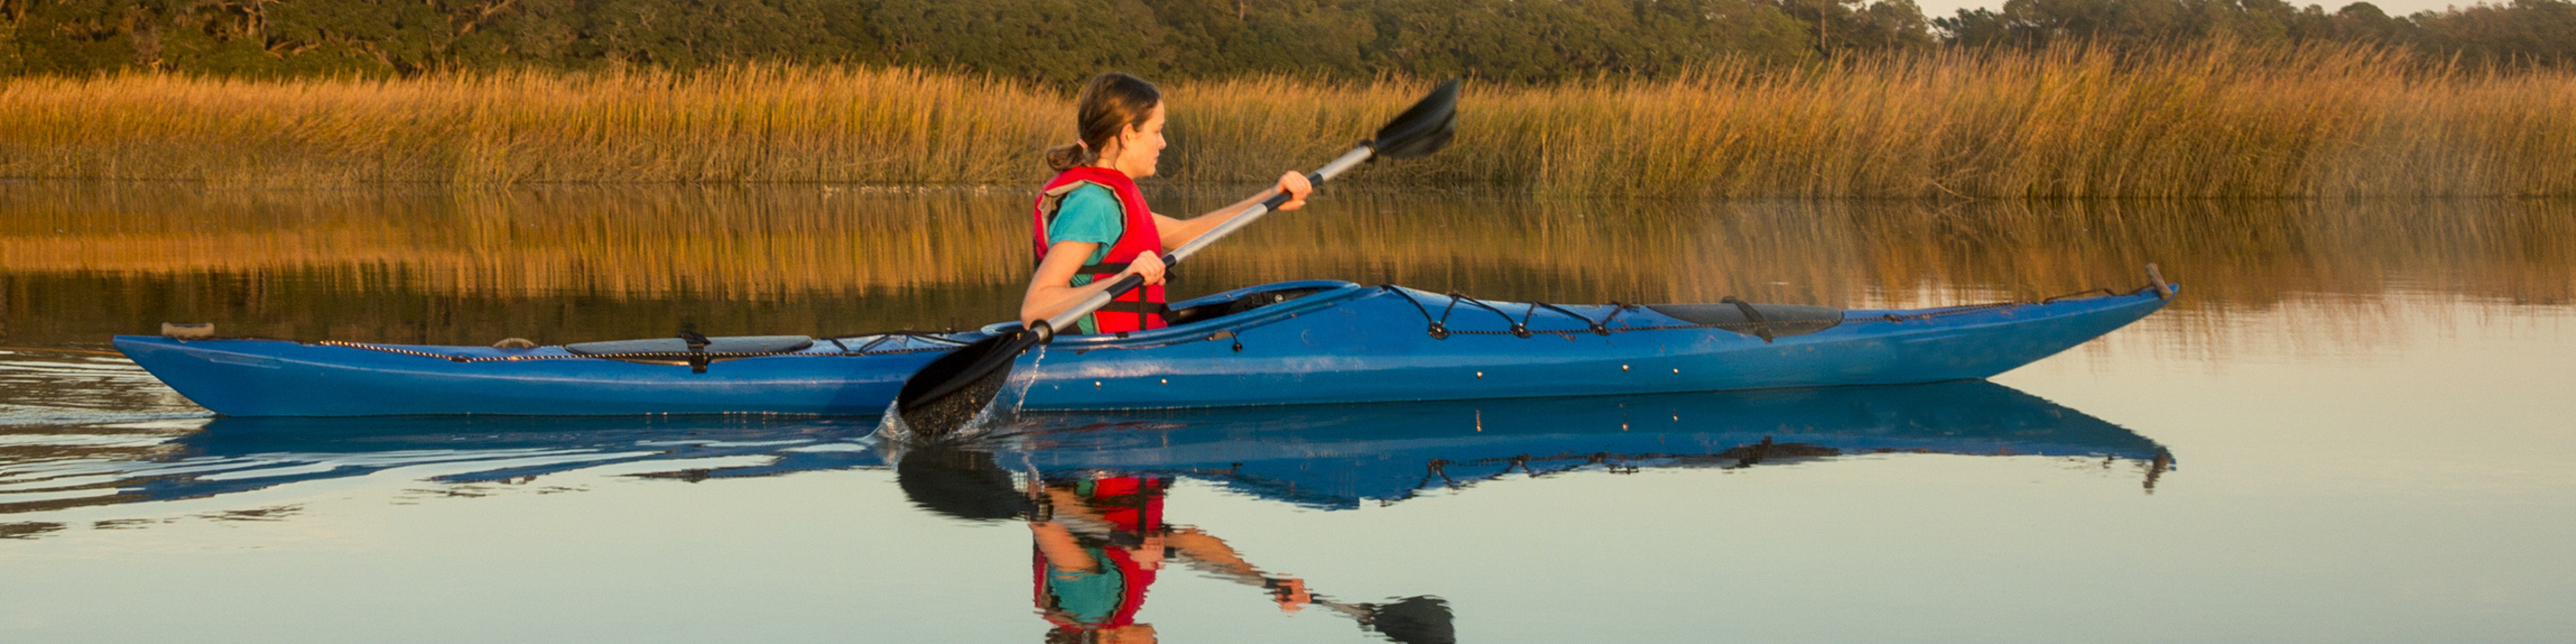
column 997, row 418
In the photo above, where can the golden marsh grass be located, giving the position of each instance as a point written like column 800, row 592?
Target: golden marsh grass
column 2204, row 121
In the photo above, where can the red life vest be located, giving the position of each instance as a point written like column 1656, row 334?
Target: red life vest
column 1139, row 309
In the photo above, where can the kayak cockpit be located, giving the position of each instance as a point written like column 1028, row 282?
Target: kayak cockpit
column 1192, row 318
column 1243, row 300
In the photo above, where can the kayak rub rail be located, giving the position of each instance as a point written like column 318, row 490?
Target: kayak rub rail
column 1305, row 342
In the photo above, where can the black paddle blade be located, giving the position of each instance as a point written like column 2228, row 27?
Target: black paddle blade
column 1423, row 128
column 947, row 393
column 1413, row 620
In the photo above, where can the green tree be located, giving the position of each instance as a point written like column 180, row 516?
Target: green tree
column 1850, row 25
column 1055, row 41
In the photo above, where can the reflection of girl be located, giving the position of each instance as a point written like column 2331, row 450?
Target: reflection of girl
column 1092, row 225
column 1100, row 538
column 1099, row 545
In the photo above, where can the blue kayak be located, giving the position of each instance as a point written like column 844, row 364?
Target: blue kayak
column 1302, row 342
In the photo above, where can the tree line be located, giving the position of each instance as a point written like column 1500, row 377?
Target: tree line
column 1059, row 41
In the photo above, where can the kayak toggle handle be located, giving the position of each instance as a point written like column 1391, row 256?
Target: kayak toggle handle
column 697, row 349
column 2156, row 280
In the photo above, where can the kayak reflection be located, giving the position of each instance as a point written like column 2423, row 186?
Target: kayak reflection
column 1334, row 457
column 235, row 455
column 1318, row 457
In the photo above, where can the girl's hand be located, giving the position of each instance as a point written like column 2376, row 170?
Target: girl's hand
column 1297, row 187
column 1289, row 592
column 1149, row 265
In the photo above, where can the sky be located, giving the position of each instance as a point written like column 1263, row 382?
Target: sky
column 1942, row 8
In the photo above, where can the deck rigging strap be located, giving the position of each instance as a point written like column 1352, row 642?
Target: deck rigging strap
column 863, row 350
column 1755, row 324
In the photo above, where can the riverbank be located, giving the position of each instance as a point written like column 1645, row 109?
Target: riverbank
column 2201, row 122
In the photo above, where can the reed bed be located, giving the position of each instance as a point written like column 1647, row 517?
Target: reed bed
column 2204, row 121
column 744, row 124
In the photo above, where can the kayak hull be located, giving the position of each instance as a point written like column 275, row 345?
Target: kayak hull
column 1336, row 343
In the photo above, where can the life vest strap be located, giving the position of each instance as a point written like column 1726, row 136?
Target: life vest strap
column 1126, row 306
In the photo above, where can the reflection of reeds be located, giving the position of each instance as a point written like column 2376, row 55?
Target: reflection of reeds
column 747, row 244
column 562, row 264
column 659, row 241
column 2206, row 121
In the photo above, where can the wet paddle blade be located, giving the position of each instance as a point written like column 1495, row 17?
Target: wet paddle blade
column 1422, row 129
column 949, row 392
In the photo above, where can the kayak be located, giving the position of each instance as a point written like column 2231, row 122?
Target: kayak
column 1302, row 342
column 1327, row 457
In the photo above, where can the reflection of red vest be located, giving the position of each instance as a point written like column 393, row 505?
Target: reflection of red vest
column 1130, row 504
column 1139, row 309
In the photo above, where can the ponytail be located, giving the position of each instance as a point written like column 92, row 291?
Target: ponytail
column 1070, row 156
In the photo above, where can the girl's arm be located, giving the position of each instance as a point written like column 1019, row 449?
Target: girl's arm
column 1177, row 232
column 1061, row 550
column 1051, row 290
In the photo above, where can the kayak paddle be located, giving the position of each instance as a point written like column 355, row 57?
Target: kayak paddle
column 949, row 392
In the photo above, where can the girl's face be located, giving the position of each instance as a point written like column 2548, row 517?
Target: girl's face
column 1140, row 148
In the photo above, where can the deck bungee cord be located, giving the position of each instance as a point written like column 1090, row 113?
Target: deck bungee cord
column 1756, row 324
column 630, row 356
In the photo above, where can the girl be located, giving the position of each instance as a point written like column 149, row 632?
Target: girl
column 1091, row 224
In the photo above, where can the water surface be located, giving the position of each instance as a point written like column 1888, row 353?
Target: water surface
column 2351, row 427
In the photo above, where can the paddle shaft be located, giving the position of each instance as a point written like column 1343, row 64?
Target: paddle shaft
column 1338, row 166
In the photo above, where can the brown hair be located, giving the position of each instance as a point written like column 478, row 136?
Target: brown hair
column 1110, row 103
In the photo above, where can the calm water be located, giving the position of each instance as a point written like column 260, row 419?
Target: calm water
column 2354, row 426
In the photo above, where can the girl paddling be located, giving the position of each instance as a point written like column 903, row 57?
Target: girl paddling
column 1091, row 225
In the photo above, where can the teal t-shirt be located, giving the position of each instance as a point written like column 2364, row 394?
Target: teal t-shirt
column 1088, row 214
column 1089, row 598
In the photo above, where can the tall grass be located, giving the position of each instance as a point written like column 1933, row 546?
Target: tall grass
column 2212, row 120
column 741, row 124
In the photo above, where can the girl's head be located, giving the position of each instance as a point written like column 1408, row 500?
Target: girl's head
column 1120, row 121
